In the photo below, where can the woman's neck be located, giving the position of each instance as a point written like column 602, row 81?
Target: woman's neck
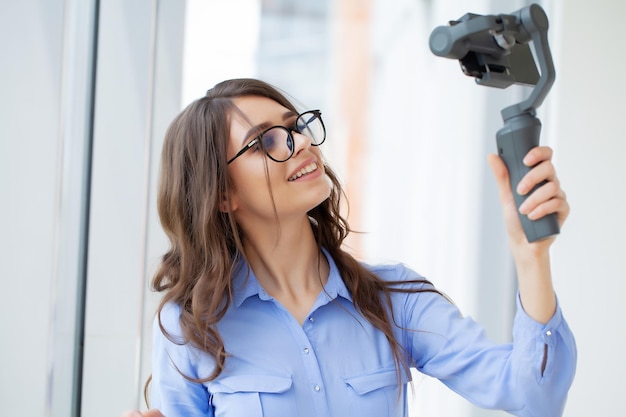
column 288, row 264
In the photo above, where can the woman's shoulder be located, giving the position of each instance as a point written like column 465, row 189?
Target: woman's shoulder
column 167, row 320
column 400, row 276
column 397, row 273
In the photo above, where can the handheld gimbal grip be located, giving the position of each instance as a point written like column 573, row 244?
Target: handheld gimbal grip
column 518, row 136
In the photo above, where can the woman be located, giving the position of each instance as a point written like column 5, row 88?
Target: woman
column 264, row 314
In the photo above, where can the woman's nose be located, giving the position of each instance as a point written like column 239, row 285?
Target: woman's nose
column 301, row 141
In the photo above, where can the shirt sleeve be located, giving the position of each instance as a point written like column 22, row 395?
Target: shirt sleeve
column 172, row 393
column 528, row 378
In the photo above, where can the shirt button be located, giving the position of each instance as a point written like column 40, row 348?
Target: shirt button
column 306, row 350
column 317, row 388
column 549, row 333
column 311, row 319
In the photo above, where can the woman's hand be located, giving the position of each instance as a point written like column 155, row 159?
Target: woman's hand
column 549, row 198
column 149, row 413
column 532, row 260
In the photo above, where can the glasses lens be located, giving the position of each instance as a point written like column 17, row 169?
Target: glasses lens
column 310, row 124
column 277, row 143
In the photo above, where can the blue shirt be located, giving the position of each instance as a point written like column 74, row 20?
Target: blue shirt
column 337, row 364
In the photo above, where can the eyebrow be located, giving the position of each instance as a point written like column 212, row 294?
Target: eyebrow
column 256, row 130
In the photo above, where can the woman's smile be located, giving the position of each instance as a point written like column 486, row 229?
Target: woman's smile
column 308, row 171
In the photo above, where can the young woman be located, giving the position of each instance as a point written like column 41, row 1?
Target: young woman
column 264, row 313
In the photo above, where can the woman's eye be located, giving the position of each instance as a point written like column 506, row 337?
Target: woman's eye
column 269, row 140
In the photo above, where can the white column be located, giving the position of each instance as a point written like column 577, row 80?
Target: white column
column 137, row 95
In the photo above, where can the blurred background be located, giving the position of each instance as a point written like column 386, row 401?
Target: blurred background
column 88, row 87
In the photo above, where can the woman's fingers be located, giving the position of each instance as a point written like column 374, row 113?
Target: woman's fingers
column 544, row 201
column 538, row 154
column 543, row 171
column 548, row 197
column 542, row 194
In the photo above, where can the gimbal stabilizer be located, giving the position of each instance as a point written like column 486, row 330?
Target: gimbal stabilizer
column 495, row 50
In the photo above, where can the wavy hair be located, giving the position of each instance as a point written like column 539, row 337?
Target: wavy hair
column 205, row 242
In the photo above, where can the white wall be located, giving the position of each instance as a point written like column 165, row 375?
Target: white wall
column 589, row 272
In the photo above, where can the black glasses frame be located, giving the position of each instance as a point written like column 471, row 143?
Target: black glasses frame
column 257, row 140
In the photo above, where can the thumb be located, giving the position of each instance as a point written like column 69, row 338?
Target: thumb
column 507, row 201
column 501, row 175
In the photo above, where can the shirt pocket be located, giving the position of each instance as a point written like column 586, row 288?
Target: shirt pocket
column 376, row 393
column 247, row 395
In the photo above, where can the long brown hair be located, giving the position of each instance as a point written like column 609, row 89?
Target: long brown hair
column 205, row 241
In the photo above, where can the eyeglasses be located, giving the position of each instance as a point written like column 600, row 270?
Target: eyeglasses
column 277, row 141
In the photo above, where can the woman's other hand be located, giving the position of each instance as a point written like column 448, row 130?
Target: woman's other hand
column 149, row 413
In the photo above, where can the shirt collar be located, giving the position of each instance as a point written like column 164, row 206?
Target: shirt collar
column 245, row 283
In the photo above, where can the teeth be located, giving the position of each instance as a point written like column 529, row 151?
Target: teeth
column 306, row 170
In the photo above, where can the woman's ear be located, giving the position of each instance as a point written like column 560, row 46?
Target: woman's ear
column 226, row 203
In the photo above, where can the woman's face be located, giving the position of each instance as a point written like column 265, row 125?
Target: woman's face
column 293, row 194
